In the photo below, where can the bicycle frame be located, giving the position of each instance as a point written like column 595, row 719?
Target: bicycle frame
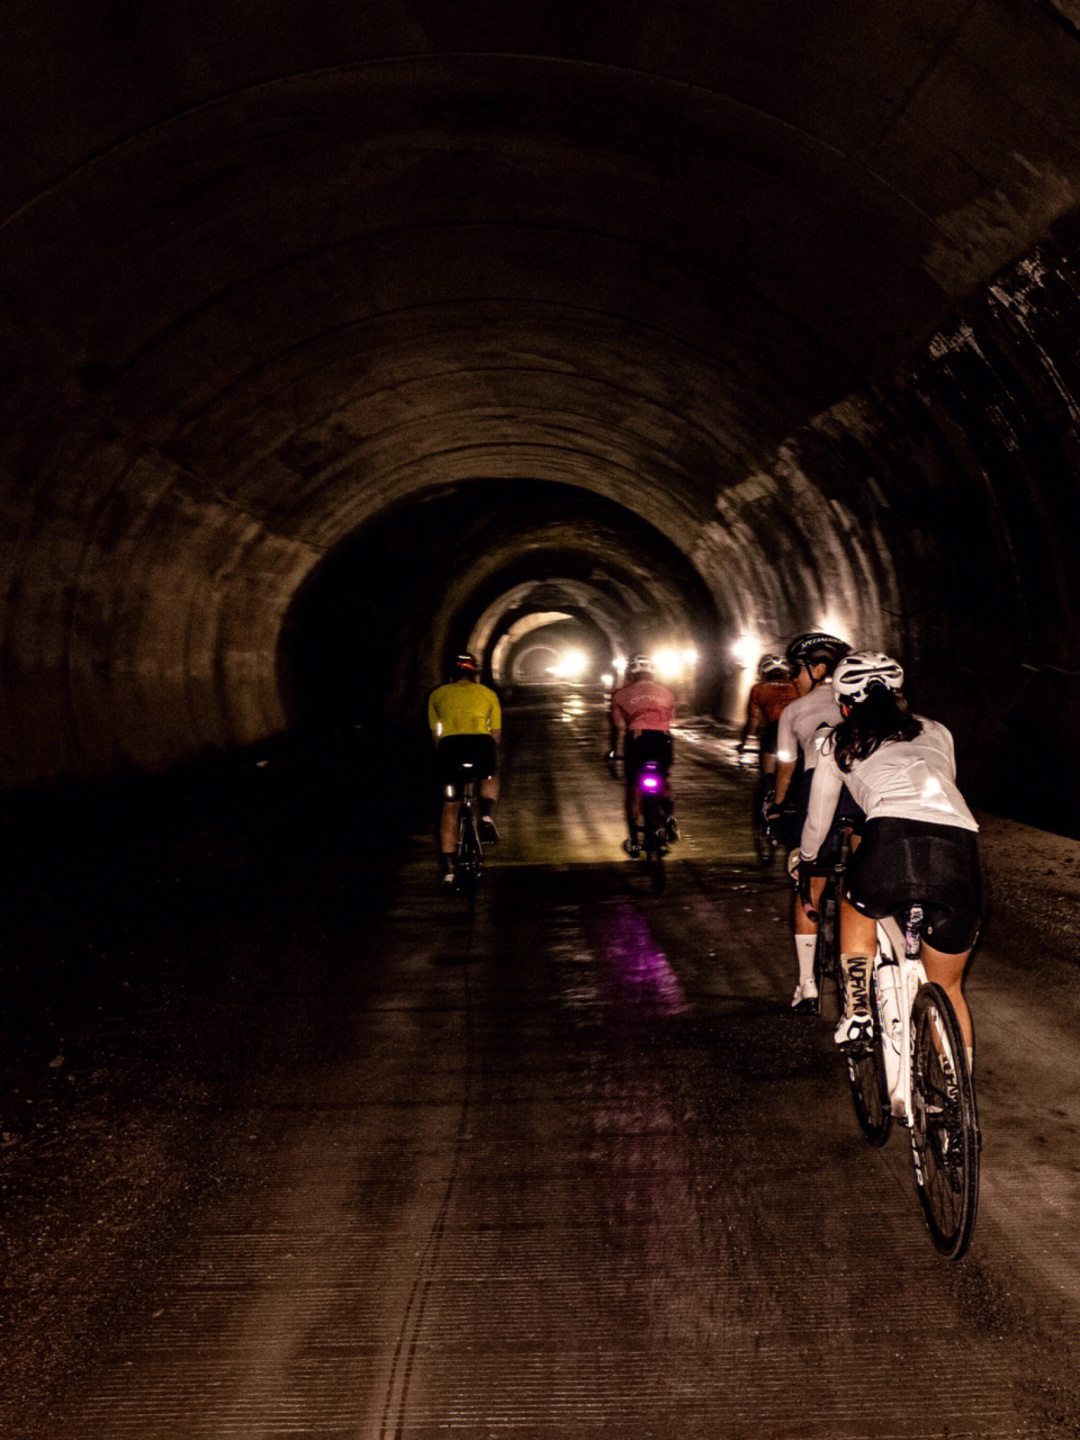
column 470, row 851
column 897, row 975
column 923, row 1081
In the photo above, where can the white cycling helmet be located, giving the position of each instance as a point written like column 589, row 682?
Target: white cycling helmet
column 858, row 673
column 772, row 665
column 640, row 665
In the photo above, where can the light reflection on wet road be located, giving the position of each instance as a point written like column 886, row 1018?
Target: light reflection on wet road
column 572, row 1170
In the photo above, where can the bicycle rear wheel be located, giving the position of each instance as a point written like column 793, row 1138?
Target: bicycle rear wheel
column 470, row 857
column 655, row 838
column 869, row 1087
column 765, row 841
column 945, row 1138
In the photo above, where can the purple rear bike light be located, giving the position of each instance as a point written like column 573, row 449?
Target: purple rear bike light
column 650, row 782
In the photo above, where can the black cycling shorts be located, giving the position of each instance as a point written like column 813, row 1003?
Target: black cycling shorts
column 767, row 737
column 846, row 812
column 461, row 756
column 900, row 862
column 649, row 745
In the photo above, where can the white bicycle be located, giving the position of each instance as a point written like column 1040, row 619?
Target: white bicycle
column 915, row 1070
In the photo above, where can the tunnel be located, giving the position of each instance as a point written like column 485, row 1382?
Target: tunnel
column 730, row 321
column 338, row 338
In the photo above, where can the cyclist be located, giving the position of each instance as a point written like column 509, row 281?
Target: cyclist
column 812, row 656
column 918, row 842
column 465, row 719
column 642, row 711
column 773, row 692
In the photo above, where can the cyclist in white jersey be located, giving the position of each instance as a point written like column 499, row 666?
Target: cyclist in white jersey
column 918, row 841
column 803, row 725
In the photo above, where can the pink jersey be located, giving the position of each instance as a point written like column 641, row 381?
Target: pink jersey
column 644, row 705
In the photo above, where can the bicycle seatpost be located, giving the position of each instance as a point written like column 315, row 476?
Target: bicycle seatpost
column 913, row 929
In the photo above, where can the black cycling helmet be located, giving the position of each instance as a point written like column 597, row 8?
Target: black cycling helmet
column 639, row 665
column 465, row 664
column 772, row 665
column 857, row 674
column 817, row 647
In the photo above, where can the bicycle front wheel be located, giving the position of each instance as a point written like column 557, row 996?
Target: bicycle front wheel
column 870, row 1089
column 945, row 1136
column 827, row 949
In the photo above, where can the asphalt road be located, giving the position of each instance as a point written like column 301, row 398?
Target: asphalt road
column 294, row 1148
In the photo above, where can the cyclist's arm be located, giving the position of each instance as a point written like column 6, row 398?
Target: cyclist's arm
column 755, row 718
column 618, row 724
column 784, row 771
column 824, row 793
column 434, row 723
column 787, row 755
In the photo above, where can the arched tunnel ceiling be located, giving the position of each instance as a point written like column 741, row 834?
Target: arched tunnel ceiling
column 270, row 273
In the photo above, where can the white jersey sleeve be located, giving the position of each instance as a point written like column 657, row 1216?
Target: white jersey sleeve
column 824, row 793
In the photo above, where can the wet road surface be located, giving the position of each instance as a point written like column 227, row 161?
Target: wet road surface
column 294, row 1148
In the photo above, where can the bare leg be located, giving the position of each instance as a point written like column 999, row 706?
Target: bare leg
column 803, row 924
column 858, row 932
column 806, row 944
column 948, row 972
column 448, row 823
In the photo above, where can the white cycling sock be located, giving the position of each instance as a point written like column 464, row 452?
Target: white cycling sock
column 805, row 945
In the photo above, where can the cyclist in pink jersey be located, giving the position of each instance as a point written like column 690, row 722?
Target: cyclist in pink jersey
column 642, row 712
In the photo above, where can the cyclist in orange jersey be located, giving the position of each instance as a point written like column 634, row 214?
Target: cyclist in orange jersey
column 774, row 691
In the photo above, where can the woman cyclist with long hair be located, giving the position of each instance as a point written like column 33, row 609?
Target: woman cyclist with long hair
column 918, row 842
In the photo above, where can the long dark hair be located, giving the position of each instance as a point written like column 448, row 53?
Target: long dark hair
column 883, row 715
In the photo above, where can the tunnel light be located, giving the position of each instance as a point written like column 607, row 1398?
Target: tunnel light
column 607, row 679
column 689, row 657
column 667, row 664
column 833, row 625
column 745, row 650
column 620, row 664
column 571, row 665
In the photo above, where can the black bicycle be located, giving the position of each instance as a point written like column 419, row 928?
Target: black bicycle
column 652, row 786
column 469, row 855
column 766, row 840
column 827, row 971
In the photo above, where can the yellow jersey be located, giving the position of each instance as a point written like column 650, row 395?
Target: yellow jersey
column 463, row 708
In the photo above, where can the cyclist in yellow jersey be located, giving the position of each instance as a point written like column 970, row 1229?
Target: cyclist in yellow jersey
column 465, row 720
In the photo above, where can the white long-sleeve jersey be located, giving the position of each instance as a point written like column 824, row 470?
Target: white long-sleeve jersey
column 904, row 779
column 804, row 723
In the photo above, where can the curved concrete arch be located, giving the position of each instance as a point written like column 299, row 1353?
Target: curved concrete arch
column 795, row 301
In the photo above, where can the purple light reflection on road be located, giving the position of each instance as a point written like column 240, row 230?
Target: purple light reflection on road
column 637, row 967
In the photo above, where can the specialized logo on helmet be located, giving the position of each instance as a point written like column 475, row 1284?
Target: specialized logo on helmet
column 816, row 647
column 858, row 673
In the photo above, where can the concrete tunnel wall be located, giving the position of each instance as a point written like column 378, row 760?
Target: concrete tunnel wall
column 337, row 322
